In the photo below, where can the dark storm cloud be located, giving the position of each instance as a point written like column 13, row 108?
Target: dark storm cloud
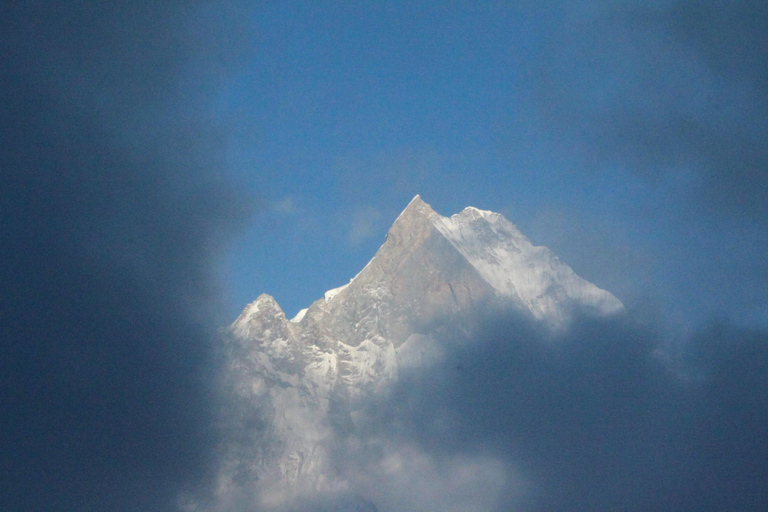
column 112, row 211
column 730, row 37
column 673, row 92
column 602, row 417
column 667, row 89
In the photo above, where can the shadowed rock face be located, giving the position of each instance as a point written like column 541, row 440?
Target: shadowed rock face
column 293, row 384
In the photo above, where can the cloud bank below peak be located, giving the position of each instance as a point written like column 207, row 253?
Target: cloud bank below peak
column 597, row 419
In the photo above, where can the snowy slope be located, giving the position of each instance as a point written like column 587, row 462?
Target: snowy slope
column 515, row 268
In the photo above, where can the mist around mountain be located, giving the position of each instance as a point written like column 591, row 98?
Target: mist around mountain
column 466, row 369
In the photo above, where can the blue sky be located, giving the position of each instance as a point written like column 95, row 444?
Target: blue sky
column 587, row 125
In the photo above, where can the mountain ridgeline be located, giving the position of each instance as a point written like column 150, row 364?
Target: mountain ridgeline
column 294, row 386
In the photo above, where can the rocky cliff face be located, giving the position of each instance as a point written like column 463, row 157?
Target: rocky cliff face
column 293, row 384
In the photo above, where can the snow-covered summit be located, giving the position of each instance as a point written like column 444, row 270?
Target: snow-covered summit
column 476, row 212
column 530, row 276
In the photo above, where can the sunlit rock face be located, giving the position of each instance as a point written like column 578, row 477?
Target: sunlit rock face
column 293, row 385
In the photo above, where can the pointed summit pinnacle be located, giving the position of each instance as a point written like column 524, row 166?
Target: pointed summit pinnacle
column 416, row 199
column 416, row 206
column 415, row 218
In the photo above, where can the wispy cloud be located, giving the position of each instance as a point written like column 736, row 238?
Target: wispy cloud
column 288, row 205
column 365, row 223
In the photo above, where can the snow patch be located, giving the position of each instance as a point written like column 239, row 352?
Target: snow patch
column 299, row 316
column 330, row 294
column 472, row 209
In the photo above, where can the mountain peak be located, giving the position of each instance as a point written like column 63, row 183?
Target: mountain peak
column 416, row 199
column 265, row 306
column 531, row 277
column 412, row 222
column 474, row 213
column 423, row 288
column 417, row 206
